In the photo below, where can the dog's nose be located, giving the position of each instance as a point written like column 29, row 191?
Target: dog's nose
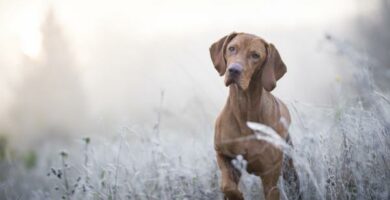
column 235, row 69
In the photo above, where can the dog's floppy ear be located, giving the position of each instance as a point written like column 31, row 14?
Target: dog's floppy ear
column 273, row 68
column 217, row 53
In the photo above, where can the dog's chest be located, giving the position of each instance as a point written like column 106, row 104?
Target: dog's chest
column 250, row 149
column 233, row 149
column 232, row 141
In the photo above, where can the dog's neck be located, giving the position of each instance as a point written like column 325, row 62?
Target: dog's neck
column 246, row 105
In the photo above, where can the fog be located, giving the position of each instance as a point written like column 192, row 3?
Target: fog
column 71, row 69
column 108, row 63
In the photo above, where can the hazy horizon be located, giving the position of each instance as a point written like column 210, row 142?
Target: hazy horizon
column 117, row 58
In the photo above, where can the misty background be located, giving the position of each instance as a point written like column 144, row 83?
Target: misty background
column 122, row 96
column 99, row 66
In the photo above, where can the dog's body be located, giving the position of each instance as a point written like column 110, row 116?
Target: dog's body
column 253, row 68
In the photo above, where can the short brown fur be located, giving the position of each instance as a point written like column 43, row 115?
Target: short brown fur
column 249, row 100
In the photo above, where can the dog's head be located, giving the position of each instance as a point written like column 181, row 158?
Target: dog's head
column 244, row 57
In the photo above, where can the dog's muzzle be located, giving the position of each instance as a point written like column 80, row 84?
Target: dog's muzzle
column 234, row 72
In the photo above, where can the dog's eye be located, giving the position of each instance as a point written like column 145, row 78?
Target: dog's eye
column 255, row 56
column 232, row 49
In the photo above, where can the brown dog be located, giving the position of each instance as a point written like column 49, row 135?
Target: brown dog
column 251, row 67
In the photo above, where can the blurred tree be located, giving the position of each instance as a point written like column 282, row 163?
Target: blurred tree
column 50, row 98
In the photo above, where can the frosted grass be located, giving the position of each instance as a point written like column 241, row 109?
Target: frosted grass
column 341, row 151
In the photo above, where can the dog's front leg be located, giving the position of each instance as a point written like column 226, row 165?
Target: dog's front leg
column 270, row 181
column 230, row 179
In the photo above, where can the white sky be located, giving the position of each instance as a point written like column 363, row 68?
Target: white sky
column 82, row 20
column 90, row 25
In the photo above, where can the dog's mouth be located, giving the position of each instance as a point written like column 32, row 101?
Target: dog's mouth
column 230, row 79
